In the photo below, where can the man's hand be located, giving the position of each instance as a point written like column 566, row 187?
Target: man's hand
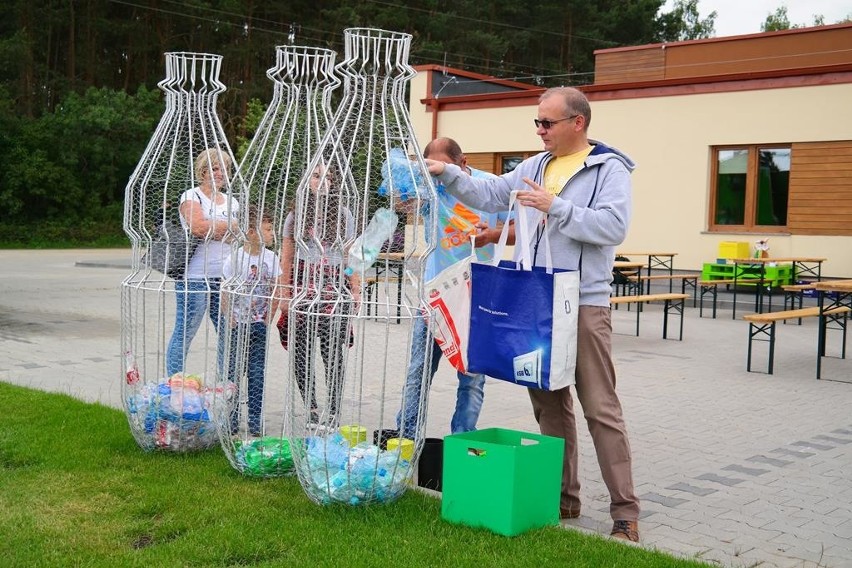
column 484, row 236
column 436, row 167
column 536, row 197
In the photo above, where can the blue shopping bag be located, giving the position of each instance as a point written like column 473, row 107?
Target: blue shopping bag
column 523, row 325
column 523, row 319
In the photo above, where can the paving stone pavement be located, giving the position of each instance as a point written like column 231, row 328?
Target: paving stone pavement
column 733, row 468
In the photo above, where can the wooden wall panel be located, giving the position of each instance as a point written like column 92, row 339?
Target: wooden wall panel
column 482, row 161
column 815, row 47
column 630, row 66
column 778, row 52
column 820, row 201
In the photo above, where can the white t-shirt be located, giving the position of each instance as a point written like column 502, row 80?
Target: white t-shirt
column 210, row 254
column 255, row 283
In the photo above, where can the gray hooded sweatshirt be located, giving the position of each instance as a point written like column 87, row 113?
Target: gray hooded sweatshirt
column 586, row 221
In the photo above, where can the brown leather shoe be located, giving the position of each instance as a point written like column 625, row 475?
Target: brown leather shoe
column 568, row 513
column 626, row 530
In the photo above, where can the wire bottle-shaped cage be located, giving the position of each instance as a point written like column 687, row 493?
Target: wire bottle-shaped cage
column 254, row 432
column 352, row 252
column 180, row 216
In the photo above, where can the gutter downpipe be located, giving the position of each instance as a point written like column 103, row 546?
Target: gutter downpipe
column 436, row 106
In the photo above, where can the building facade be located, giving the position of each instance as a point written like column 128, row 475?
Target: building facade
column 737, row 138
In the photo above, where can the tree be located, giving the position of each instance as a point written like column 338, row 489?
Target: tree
column 78, row 78
column 72, row 164
column 779, row 20
column 776, row 21
column 685, row 23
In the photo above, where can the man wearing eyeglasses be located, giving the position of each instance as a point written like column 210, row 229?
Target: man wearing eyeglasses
column 584, row 188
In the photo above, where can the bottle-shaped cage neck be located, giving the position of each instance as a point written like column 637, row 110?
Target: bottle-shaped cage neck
column 188, row 72
column 302, row 65
column 375, row 52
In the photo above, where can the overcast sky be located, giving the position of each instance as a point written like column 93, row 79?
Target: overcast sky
column 735, row 17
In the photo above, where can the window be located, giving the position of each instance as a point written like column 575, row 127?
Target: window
column 496, row 162
column 751, row 185
column 509, row 163
column 505, row 163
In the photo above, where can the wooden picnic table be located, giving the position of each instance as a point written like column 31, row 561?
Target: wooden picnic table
column 389, row 268
column 801, row 265
column 662, row 260
column 832, row 294
column 626, row 267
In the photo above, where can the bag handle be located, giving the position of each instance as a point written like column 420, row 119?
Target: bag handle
column 523, row 218
column 521, row 236
column 548, row 257
column 500, row 247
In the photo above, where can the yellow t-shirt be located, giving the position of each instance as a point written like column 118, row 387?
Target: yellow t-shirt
column 563, row 168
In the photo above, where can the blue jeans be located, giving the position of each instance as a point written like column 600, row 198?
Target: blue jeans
column 469, row 395
column 194, row 299
column 248, row 347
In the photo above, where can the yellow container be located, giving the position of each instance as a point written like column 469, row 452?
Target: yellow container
column 406, row 447
column 354, row 434
column 734, row 249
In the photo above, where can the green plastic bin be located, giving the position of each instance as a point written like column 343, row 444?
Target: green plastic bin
column 503, row 480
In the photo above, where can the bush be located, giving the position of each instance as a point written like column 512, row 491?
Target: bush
column 53, row 234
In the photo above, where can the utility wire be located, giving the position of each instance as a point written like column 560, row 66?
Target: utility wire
column 498, row 24
column 333, row 40
column 329, row 38
column 228, row 23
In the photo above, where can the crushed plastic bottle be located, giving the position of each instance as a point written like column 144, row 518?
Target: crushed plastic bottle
column 266, row 456
column 401, row 176
column 354, row 475
column 365, row 250
column 176, row 412
column 132, row 372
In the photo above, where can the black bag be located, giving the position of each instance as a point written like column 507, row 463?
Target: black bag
column 618, row 277
column 172, row 248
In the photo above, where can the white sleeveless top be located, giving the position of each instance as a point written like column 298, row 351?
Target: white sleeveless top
column 209, row 256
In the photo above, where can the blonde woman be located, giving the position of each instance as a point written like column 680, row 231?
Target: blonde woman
column 208, row 213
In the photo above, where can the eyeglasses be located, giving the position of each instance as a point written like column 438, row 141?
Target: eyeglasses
column 548, row 124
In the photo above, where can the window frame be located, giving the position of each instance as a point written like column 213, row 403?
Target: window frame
column 749, row 226
column 499, row 157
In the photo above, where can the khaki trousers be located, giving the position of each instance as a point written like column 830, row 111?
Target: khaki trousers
column 595, row 387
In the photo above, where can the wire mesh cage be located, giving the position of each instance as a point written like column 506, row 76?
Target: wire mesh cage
column 180, row 216
column 254, row 432
column 352, row 256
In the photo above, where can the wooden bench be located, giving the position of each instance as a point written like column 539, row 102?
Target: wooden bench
column 711, row 287
column 793, row 295
column 672, row 303
column 690, row 280
column 626, row 286
column 762, row 327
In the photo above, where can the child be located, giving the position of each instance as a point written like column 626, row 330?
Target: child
column 251, row 303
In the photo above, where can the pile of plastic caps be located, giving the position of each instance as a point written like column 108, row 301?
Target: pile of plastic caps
column 332, row 471
column 401, row 176
column 264, row 457
column 176, row 412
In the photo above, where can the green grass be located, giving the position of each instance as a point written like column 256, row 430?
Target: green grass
column 76, row 490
